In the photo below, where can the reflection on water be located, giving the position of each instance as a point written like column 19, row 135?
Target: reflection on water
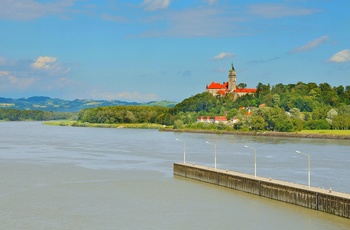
column 95, row 178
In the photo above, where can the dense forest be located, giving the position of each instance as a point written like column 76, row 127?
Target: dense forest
column 285, row 108
column 126, row 114
column 34, row 115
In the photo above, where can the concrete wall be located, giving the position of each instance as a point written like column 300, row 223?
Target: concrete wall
column 313, row 198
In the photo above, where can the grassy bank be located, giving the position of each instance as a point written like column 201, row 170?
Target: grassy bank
column 326, row 134
column 98, row 125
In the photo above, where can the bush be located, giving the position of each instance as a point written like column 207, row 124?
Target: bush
column 317, row 124
column 178, row 124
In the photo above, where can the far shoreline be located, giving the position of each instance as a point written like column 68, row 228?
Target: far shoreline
column 262, row 133
column 224, row 132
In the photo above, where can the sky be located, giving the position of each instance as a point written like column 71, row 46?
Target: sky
column 152, row 50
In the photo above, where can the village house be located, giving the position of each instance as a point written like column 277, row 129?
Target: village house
column 212, row 119
column 230, row 86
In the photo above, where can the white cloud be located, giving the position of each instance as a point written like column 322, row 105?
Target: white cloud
column 31, row 9
column 27, row 76
column 311, row 45
column 223, row 55
column 341, row 56
column 50, row 66
column 153, row 5
column 198, row 22
column 9, row 82
column 267, row 10
column 44, row 62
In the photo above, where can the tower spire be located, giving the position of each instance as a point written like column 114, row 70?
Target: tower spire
column 232, row 79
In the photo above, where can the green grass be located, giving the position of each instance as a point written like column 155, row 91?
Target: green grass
column 59, row 123
column 98, row 125
column 326, row 132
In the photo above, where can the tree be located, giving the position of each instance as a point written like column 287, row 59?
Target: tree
column 303, row 103
column 258, row 123
column 317, row 124
column 129, row 117
column 233, row 112
column 330, row 115
column 276, row 100
column 295, row 113
column 262, row 89
column 242, row 85
column 341, row 122
column 178, row 124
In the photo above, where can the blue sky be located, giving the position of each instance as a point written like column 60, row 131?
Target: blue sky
column 149, row 50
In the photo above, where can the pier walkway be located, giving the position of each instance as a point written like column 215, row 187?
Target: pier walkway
column 314, row 198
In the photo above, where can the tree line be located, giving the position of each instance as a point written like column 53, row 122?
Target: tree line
column 34, row 115
column 285, row 108
column 126, row 114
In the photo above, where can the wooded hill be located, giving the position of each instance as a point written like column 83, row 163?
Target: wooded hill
column 281, row 107
column 34, row 115
column 59, row 105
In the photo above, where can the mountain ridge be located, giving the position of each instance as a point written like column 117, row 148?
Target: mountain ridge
column 45, row 103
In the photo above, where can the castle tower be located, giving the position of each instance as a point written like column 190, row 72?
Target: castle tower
column 232, row 79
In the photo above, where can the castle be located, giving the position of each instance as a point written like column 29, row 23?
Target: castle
column 230, row 86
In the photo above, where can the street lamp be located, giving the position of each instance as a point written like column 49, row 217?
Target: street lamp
column 308, row 160
column 214, row 152
column 254, row 159
column 184, row 149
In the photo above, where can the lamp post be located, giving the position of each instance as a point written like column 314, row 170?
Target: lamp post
column 184, row 150
column 308, row 160
column 214, row 152
column 254, row 159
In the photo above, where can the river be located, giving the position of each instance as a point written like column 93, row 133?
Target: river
column 55, row 177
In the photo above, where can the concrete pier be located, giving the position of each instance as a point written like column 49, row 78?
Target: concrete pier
column 314, row 198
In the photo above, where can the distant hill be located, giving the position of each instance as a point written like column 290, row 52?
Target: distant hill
column 60, row 105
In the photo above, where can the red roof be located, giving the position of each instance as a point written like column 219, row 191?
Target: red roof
column 222, row 92
column 245, row 90
column 216, row 85
column 220, row 118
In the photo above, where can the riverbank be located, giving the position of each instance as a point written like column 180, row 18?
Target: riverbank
column 303, row 134
column 100, row 125
column 323, row 134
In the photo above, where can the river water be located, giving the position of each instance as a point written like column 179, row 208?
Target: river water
column 94, row 178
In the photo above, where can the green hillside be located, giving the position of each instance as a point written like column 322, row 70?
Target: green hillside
column 60, row 105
